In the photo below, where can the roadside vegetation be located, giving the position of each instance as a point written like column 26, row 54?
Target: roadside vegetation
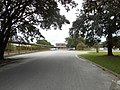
column 18, row 48
column 109, row 62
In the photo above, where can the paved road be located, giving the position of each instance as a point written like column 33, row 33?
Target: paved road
column 53, row 70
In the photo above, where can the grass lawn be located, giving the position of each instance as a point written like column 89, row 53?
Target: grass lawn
column 101, row 58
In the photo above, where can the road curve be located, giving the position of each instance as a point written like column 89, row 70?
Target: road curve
column 53, row 70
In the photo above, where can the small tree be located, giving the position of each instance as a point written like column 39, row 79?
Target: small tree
column 72, row 42
column 96, row 46
column 116, row 42
column 81, row 46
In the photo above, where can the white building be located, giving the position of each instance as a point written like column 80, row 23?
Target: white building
column 60, row 45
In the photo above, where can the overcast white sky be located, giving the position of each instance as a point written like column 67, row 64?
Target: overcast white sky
column 58, row 36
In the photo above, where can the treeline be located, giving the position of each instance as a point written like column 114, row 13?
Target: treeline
column 81, row 43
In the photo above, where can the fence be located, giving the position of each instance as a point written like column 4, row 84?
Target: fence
column 18, row 48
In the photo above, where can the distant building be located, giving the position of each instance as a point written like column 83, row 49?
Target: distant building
column 60, row 45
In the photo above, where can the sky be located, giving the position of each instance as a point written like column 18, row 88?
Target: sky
column 58, row 36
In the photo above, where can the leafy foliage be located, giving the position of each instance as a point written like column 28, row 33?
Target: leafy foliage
column 116, row 42
column 22, row 16
column 82, row 27
column 43, row 42
column 10, row 47
column 81, row 46
column 98, row 18
column 73, row 42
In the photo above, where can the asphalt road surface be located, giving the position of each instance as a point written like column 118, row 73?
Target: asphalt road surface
column 53, row 70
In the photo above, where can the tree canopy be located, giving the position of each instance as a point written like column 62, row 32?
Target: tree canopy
column 99, row 18
column 21, row 16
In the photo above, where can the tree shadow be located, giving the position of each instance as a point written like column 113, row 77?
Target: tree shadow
column 113, row 57
column 11, row 60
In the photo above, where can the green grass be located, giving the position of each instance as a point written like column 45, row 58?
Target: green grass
column 109, row 62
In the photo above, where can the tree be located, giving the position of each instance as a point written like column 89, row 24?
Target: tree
column 22, row 16
column 43, row 42
column 81, row 27
column 96, row 46
column 72, row 42
column 81, row 46
column 101, row 19
column 116, row 42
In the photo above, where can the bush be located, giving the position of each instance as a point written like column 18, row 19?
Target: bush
column 81, row 46
column 10, row 47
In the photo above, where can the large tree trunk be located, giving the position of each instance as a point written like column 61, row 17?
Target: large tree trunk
column 3, row 44
column 1, row 47
column 110, row 43
column 1, row 52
